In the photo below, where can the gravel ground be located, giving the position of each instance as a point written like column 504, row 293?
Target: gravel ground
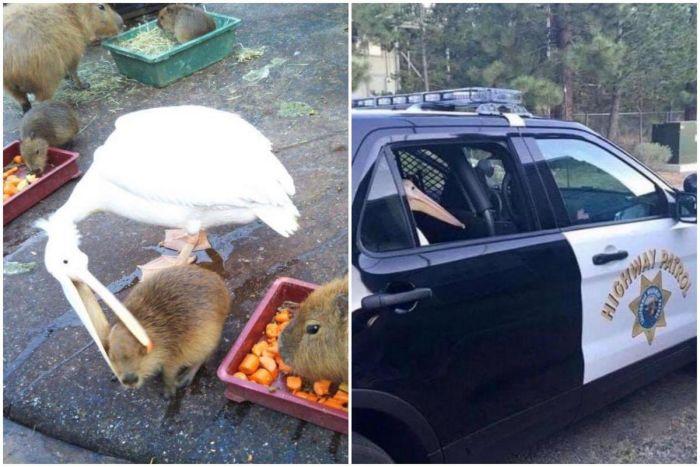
column 656, row 424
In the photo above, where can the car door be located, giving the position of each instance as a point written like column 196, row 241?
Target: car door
column 472, row 332
column 637, row 262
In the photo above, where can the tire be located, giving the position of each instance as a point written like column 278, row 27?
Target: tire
column 365, row 451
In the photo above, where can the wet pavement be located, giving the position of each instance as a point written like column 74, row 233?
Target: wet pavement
column 55, row 380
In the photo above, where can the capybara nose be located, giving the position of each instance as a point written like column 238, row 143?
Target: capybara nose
column 130, row 379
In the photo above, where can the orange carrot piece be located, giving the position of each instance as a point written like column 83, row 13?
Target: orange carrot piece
column 240, row 375
column 262, row 376
column 333, row 403
column 17, row 159
column 283, row 316
column 293, row 383
column 341, row 396
column 306, row 395
column 9, row 172
column 274, row 348
column 259, row 348
column 283, row 325
column 322, row 387
column 272, row 330
column 250, row 363
column 269, row 364
column 281, row 365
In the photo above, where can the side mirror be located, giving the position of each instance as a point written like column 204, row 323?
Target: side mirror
column 686, row 207
column 690, row 184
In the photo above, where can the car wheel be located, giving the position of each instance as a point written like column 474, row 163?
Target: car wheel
column 365, row 451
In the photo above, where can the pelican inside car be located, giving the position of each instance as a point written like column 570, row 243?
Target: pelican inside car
column 511, row 274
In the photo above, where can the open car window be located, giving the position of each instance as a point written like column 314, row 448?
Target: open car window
column 596, row 186
column 461, row 191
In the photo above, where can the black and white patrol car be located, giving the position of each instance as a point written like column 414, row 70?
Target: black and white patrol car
column 510, row 275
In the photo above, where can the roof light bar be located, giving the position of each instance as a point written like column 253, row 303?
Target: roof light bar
column 461, row 96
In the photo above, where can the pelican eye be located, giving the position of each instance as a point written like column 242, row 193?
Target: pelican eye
column 312, row 328
column 65, row 261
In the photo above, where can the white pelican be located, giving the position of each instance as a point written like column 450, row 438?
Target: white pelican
column 185, row 167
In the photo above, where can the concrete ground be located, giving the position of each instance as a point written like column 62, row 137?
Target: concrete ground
column 656, row 424
column 55, row 380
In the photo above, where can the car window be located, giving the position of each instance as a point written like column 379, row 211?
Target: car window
column 383, row 225
column 595, row 185
column 461, row 191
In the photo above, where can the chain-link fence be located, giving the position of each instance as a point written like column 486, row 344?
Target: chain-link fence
column 635, row 127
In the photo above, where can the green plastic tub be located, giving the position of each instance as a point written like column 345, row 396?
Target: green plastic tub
column 178, row 62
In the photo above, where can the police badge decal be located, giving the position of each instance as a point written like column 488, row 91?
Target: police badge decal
column 648, row 308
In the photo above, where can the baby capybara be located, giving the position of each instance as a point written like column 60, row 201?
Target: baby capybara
column 49, row 123
column 183, row 309
column 185, row 22
column 315, row 344
column 45, row 42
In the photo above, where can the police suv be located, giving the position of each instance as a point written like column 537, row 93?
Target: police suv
column 510, row 275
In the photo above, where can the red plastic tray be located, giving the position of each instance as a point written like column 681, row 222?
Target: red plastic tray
column 281, row 400
column 62, row 167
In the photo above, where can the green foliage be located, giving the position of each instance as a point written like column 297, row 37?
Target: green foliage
column 652, row 154
column 539, row 94
column 644, row 52
column 360, row 71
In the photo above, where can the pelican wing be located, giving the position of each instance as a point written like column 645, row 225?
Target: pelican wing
column 194, row 156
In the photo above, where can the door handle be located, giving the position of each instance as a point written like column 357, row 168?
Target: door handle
column 383, row 300
column 603, row 258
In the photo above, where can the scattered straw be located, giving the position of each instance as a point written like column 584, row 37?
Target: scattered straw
column 247, row 54
column 150, row 42
column 105, row 83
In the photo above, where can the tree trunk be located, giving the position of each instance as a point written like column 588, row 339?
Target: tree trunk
column 562, row 29
column 614, row 124
column 423, row 48
column 690, row 111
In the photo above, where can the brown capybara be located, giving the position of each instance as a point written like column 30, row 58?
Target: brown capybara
column 48, row 123
column 315, row 343
column 45, row 42
column 185, row 22
column 183, row 310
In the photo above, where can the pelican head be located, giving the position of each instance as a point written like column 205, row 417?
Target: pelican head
column 419, row 201
column 69, row 266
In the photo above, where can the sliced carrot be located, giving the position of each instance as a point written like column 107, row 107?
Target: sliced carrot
column 14, row 179
column 333, row 403
column 306, row 395
column 269, row 364
column 9, row 172
column 240, row 375
column 283, row 316
column 250, row 363
column 267, row 353
column 274, row 348
column 262, row 376
column 293, row 383
column 281, row 365
column 9, row 189
column 284, row 325
column 272, row 330
column 341, row 396
column 322, row 387
column 259, row 348
column 17, row 159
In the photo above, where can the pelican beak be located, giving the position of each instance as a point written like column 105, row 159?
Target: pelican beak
column 419, row 201
column 80, row 291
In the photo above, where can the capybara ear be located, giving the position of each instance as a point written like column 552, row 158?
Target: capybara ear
column 340, row 303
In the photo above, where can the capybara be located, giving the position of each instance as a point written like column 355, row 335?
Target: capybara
column 185, row 22
column 315, row 344
column 48, row 123
column 183, row 309
column 44, row 42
